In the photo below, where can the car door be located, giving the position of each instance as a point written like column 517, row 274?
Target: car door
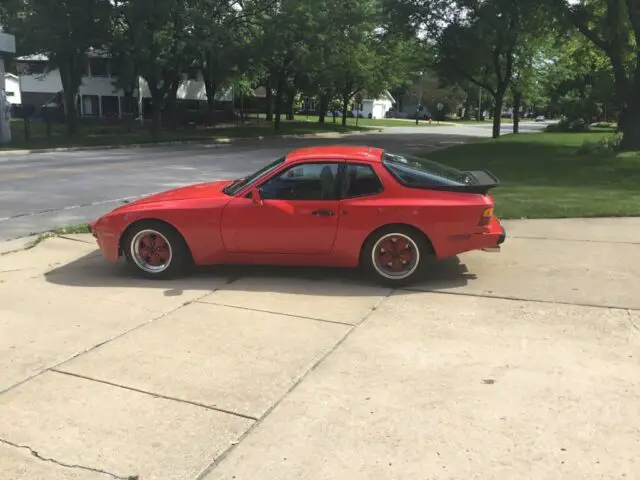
column 298, row 213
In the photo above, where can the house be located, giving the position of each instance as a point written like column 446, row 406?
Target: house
column 12, row 89
column 98, row 96
column 368, row 107
column 7, row 49
column 376, row 107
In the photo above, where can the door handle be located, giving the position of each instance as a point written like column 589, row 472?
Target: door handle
column 323, row 213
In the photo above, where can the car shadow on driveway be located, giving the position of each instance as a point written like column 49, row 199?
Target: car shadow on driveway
column 92, row 271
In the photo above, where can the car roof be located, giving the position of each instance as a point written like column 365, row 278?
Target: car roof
column 332, row 152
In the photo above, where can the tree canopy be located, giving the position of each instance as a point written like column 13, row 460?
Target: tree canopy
column 575, row 58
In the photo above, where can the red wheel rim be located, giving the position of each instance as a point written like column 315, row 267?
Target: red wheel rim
column 395, row 256
column 151, row 251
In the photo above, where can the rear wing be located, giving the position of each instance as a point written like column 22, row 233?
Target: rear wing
column 481, row 181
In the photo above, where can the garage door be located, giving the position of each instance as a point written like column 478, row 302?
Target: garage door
column 378, row 110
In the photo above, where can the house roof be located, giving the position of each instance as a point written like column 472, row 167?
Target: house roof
column 384, row 95
column 42, row 57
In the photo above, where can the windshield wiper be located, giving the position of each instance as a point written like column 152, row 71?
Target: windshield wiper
column 232, row 184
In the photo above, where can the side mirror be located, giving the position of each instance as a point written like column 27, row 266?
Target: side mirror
column 255, row 196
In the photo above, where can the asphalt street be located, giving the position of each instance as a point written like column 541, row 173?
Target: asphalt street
column 44, row 191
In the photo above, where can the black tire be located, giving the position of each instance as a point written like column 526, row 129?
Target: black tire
column 413, row 258
column 179, row 261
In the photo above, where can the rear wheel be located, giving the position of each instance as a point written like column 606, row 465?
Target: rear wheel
column 156, row 250
column 395, row 255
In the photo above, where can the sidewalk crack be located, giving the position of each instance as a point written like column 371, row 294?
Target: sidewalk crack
column 630, row 318
column 66, row 465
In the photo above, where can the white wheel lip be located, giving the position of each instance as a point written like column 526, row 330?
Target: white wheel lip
column 384, row 274
column 137, row 259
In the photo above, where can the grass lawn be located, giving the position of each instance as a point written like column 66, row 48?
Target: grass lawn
column 99, row 135
column 546, row 175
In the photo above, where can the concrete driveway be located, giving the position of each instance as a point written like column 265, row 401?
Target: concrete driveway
column 523, row 364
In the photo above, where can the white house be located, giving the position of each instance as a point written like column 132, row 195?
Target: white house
column 376, row 107
column 7, row 49
column 12, row 89
column 97, row 96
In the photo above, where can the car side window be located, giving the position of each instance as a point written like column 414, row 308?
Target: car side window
column 308, row 181
column 360, row 181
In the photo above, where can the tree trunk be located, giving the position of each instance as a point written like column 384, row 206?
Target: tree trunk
column 517, row 103
column 291, row 97
column 324, row 105
column 211, row 89
column 173, row 120
column 269, row 100
column 127, row 110
column 497, row 110
column 70, row 91
column 156, row 112
column 466, row 109
column 345, row 107
column 279, row 102
column 629, row 123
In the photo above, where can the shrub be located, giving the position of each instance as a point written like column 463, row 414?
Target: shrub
column 569, row 126
column 610, row 144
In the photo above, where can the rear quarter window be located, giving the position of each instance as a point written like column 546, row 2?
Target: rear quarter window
column 417, row 172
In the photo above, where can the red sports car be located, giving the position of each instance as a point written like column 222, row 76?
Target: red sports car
column 331, row 206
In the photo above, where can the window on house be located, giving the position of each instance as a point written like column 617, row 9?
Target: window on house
column 33, row 68
column 99, row 67
column 110, row 106
column 90, row 105
column 114, row 68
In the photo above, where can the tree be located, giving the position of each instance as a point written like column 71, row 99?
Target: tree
column 577, row 80
column 160, row 34
column 64, row 31
column 613, row 26
column 223, row 34
column 482, row 41
column 282, row 45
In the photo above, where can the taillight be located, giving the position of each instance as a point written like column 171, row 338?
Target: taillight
column 485, row 219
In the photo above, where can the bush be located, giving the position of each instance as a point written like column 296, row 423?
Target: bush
column 569, row 126
column 609, row 145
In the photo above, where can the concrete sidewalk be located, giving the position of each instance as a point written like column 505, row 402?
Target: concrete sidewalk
column 522, row 364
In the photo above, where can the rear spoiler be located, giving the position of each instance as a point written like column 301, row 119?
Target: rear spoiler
column 483, row 181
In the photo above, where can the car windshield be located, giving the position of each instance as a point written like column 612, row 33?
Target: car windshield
column 415, row 171
column 239, row 184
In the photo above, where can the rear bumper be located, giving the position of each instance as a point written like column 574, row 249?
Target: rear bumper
column 488, row 240
column 503, row 236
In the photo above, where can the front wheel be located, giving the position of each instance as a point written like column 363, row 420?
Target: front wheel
column 394, row 256
column 155, row 250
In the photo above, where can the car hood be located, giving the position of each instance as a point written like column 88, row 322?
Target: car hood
column 200, row 190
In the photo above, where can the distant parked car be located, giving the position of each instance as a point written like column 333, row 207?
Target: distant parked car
column 540, row 118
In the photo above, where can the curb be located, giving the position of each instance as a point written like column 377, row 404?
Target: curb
column 219, row 142
column 18, row 244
